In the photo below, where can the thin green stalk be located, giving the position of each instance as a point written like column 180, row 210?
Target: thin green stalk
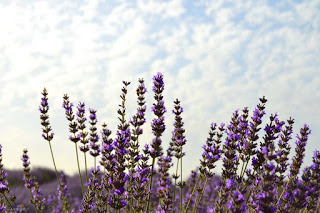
column 150, row 185
column 194, row 206
column 55, row 168
column 181, row 184
column 160, row 201
column 174, row 187
column 34, row 205
column 284, row 190
column 249, row 195
column 54, row 163
column 85, row 163
column 194, row 189
column 8, row 202
column 82, row 191
column 244, row 170
column 205, row 185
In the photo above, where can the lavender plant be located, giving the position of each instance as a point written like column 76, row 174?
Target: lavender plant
column 47, row 134
column 158, row 126
column 4, row 188
column 256, row 173
column 36, row 199
column 67, row 105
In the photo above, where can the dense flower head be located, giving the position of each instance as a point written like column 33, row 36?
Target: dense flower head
column 106, row 148
column 212, row 151
column 165, row 181
column 44, row 117
column 283, row 151
column 37, row 198
column 230, row 160
column 73, row 126
column 94, row 138
column 141, row 180
column 300, row 149
column 4, row 186
column 157, row 124
column 121, row 143
column 178, row 134
column 27, row 174
column 81, row 119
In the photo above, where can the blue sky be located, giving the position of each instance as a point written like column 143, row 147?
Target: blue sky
column 216, row 57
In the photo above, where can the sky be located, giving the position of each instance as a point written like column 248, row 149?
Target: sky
column 216, row 57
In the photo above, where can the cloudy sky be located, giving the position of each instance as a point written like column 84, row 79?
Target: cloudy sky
column 216, row 57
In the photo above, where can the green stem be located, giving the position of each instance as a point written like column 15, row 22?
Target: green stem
column 284, row 190
column 34, row 205
column 202, row 192
column 194, row 189
column 150, row 185
column 244, row 170
column 174, row 187
column 79, row 170
column 54, row 163
column 55, row 168
column 85, row 163
column 194, row 206
column 8, row 202
column 181, row 187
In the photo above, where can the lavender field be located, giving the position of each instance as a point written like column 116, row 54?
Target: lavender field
column 257, row 174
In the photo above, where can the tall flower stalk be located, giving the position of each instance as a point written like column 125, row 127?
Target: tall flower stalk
column 29, row 180
column 4, row 185
column 179, row 141
column 296, row 161
column 211, row 154
column 95, row 148
column 67, row 105
column 157, row 125
column 47, row 133
column 118, row 178
column 107, row 162
column 164, row 189
column 83, row 134
column 137, row 121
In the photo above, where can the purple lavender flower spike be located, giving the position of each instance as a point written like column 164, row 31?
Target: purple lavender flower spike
column 44, row 117
column 157, row 124
column 30, row 183
column 95, row 148
column 283, row 152
column 73, row 128
column 47, row 134
column 300, row 149
column 178, row 141
column 4, row 188
column 164, row 191
column 141, row 181
column 133, row 153
column 118, row 177
column 313, row 204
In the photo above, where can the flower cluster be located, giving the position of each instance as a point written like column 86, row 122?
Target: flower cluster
column 30, row 183
column 256, row 176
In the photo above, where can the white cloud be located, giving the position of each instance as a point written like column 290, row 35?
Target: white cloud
column 170, row 9
column 235, row 53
